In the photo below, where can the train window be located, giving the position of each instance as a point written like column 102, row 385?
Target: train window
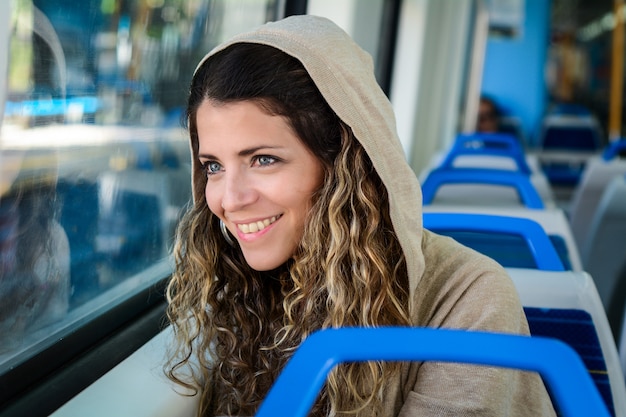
column 94, row 161
column 372, row 26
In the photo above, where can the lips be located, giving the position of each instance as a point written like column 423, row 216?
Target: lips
column 256, row 226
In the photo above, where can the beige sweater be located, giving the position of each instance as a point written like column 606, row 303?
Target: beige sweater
column 453, row 286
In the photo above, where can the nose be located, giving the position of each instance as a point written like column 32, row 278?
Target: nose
column 238, row 191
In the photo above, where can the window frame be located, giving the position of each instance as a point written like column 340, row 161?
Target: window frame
column 44, row 382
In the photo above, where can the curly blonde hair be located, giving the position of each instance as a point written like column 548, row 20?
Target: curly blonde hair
column 236, row 327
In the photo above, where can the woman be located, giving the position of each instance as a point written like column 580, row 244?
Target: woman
column 307, row 216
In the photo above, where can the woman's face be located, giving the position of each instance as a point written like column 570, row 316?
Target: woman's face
column 260, row 179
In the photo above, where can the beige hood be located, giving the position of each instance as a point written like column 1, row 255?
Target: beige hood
column 344, row 74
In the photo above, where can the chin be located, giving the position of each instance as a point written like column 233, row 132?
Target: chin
column 266, row 259
column 264, row 265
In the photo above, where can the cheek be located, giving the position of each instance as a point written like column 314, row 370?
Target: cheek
column 303, row 202
column 211, row 201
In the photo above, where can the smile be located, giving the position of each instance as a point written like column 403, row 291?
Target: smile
column 256, row 226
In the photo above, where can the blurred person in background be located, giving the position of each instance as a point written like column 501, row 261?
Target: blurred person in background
column 488, row 116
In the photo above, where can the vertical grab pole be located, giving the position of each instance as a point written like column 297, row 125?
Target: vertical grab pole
column 617, row 73
column 479, row 46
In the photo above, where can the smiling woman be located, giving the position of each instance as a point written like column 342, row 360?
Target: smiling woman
column 260, row 179
column 295, row 153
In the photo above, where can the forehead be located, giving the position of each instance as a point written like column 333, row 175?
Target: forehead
column 237, row 124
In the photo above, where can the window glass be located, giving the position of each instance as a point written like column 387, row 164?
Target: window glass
column 94, row 162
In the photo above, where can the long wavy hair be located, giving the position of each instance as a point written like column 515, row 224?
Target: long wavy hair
column 236, row 327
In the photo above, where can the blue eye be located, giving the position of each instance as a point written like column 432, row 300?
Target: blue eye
column 265, row 160
column 211, row 167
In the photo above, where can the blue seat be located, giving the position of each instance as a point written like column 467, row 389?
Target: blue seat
column 572, row 132
column 576, row 328
column 566, row 306
column 570, row 137
column 516, row 181
column 512, row 241
column 492, row 144
column 567, row 141
column 297, row 387
column 552, row 220
column 500, row 151
column 569, row 301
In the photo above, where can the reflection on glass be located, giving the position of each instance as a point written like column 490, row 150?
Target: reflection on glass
column 34, row 252
column 95, row 162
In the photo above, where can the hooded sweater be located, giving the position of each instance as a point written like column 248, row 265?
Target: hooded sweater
column 452, row 286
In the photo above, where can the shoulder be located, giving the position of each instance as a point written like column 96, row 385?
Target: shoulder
column 461, row 288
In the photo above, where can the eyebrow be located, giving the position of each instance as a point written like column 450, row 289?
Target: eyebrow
column 243, row 152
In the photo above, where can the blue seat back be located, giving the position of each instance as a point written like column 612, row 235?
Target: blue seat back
column 499, row 237
column 575, row 327
column 297, row 387
column 566, row 306
column 494, row 144
column 520, row 182
column 573, row 134
column 570, row 132
column 570, row 138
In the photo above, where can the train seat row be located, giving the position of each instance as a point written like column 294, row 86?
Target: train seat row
column 560, row 300
column 566, row 306
column 598, row 218
column 478, row 187
column 558, row 303
column 497, row 151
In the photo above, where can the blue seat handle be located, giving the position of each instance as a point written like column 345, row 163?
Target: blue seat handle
column 534, row 235
column 496, row 144
column 438, row 177
column 297, row 387
column 613, row 149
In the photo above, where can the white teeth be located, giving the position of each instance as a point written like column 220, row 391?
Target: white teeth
column 256, row 226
